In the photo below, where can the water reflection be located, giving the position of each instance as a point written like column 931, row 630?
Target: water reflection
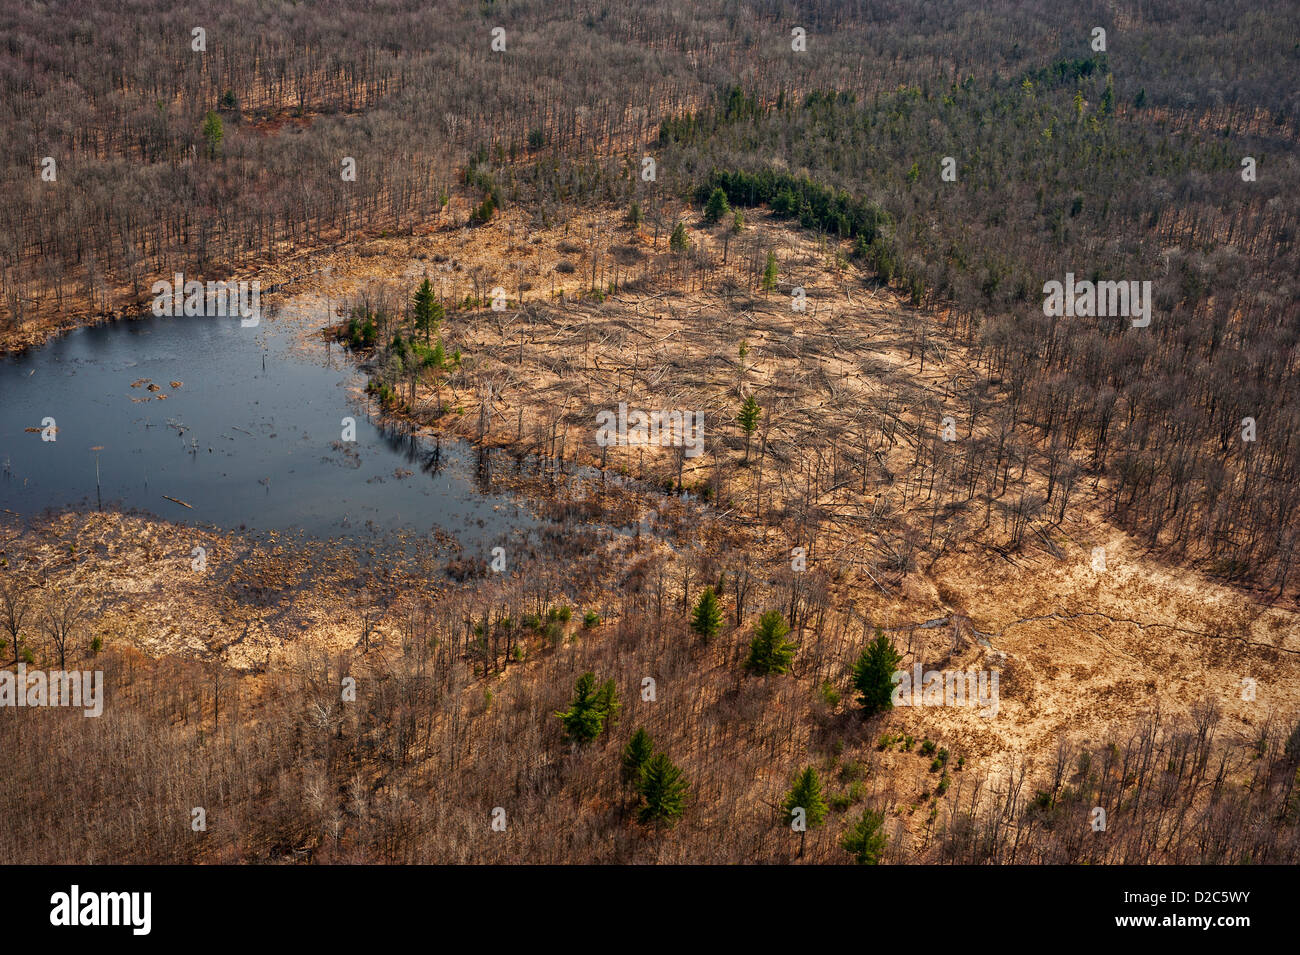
column 234, row 423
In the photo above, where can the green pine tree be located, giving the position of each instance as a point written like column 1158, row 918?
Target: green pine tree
column 769, row 651
column 1108, row 97
column 590, row 709
column 438, row 357
column 717, row 206
column 679, row 242
column 707, row 619
column 428, row 310
column 748, row 419
column 607, row 704
column 769, row 272
column 486, row 210
column 866, row 840
column 213, row 133
column 806, row 794
column 663, row 791
column 873, row 674
column 634, row 217
column 636, row 754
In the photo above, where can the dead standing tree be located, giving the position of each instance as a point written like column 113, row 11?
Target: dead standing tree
column 15, row 606
column 66, row 609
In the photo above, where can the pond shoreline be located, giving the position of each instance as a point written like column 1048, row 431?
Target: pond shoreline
column 235, row 424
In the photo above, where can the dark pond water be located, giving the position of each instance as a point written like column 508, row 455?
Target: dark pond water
column 250, row 439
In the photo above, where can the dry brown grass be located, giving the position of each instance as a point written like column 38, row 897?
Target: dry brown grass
column 1081, row 654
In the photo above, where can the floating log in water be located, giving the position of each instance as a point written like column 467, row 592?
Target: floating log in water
column 181, row 503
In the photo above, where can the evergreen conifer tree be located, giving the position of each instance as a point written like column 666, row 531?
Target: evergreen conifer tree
column 591, row 709
column 678, row 241
column 747, row 418
column 769, row 272
column 717, row 206
column 769, row 651
column 707, row 619
column 428, row 310
column 873, row 674
column 636, row 754
column 806, row 794
column 663, row 791
column 866, row 840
